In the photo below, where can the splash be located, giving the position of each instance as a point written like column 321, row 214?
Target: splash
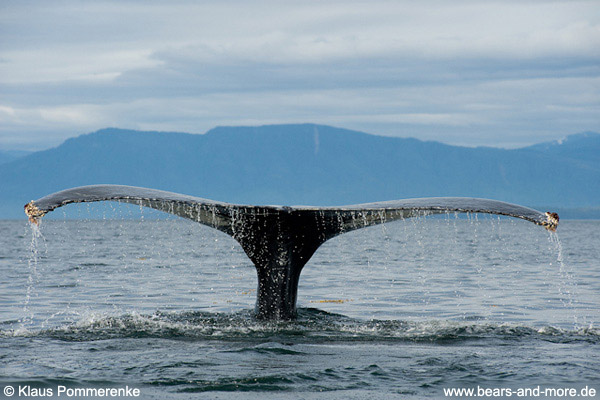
column 312, row 325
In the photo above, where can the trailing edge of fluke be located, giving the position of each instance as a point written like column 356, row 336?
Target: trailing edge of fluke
column 279, row 239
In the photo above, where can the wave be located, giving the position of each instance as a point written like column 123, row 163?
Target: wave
column 312, row 326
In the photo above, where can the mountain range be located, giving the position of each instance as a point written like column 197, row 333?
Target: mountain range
column 309, row 164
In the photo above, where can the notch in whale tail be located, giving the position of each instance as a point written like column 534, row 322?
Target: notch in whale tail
column 280, row 240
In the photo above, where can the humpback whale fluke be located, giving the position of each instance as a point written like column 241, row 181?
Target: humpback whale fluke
column 280, row 240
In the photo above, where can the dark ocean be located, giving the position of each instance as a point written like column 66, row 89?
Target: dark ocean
column 407, row 310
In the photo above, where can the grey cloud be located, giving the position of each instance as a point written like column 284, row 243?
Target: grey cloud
column 499, row 73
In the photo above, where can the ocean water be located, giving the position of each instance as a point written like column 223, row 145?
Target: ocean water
column 408, row 309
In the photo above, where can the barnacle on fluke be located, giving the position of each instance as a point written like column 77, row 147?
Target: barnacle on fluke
column 33, row 212
column 552, row 222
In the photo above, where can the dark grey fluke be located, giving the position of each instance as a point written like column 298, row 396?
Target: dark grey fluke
column 278, row 239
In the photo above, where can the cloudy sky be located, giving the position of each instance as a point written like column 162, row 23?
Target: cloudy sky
column 505, row 73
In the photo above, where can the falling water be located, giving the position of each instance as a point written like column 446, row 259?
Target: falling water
column 567, row 285
column 33, row 278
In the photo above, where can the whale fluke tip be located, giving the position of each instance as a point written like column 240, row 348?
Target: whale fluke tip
column 33, row 212
column 552, row 223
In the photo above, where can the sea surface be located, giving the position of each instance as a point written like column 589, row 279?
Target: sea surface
column 404, row 310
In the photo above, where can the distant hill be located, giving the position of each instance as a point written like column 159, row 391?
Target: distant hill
column 11, row 155
column 583, row 148
column 308, row 164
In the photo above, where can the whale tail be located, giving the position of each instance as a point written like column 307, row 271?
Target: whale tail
column 280, row 240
